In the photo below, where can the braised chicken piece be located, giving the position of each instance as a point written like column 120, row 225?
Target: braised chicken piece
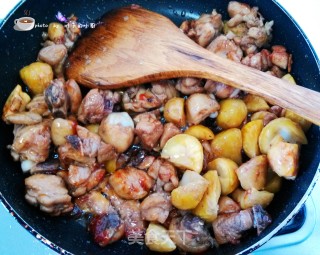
column 72, row 151
column 52, row 54
column 139, row 99
column 165, row 175
column 74, row 95
column 48, row 192
column 220, row 90
column 204, row 29
column 96, row 105
column 189, row 86
column 146, row 162
column 38, row 105
column 56, row 98
column 156, row 207
column 90, row 141
column 149, row 129
column 24, row 118
column 200, row 106
column 106, row 228
column 281, row 58
column 164, row 90
column 131, row 183
column 229, row 228
column 226, row 48
column 129, row 211
column 94, row 202
column 207, row 153
column 228, row 205
column 106, row 152
column 260, row 60
column 257, row 34
column 190, row 234
column 50, row 166
column 81, row 178
column 32, row 142
column 169, row 130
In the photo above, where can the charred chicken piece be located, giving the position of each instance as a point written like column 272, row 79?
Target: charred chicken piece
column 56, row 98
column 229, row 228
column 129, row 211
column 190, row 234
column 106, row 228
column 48, row 192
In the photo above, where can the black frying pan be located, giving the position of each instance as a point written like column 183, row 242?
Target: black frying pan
column 18, row 49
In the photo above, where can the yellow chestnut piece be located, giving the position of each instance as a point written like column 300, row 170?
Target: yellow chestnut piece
column 289, row 78
column 174, row 111
column 16, row 102
column 228, row 144
column 232, row 113
column 253, row 173
column 226, row 169
column 250, row 137
column 60, row 128
column 255, row 103
column 190, row 191
column 111, row 165
column 208, row 207
column 184, row 151
column 201, row 132
column 251, row 197
column 37, row 76
column 283, row 158
column 157, row 238
column 94, row 128
column 56, row 32
column 305, row 124
column 290, row 131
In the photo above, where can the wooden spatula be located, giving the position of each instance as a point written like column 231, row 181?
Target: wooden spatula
column 135, row 46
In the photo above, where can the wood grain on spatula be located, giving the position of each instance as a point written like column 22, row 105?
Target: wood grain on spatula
column 134, row 46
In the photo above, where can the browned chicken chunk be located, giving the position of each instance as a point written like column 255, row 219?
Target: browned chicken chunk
column 48, row 192
column 156, row 207
column 149, row 129
column 204, row 29
column 32, row 142
column 96, row 105
column 131, row 183
column 165, row 175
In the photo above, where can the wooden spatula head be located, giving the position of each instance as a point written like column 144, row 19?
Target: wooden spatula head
column 129, row 47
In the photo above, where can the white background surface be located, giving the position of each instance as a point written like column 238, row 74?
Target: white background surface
column 15, row 240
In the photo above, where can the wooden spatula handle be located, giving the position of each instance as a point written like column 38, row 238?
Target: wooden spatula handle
column 303, row 101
